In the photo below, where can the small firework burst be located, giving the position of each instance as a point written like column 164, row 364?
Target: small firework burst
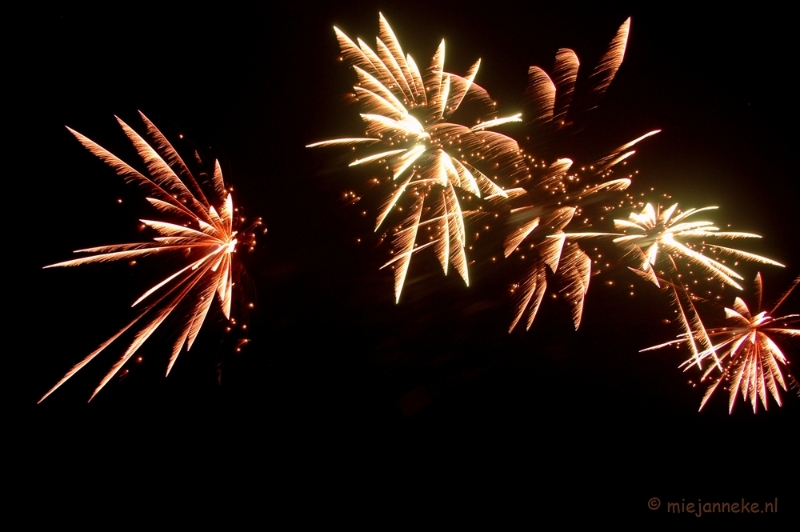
column 202, row 229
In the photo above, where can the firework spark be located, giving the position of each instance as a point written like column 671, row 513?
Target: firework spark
column 751, row 360
column 202, row 231
column 660, row 240
column 430, row 159
column 555, row 193
column 552, row 103
column 656, row 231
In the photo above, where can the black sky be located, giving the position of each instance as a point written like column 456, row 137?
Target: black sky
column 425, row 402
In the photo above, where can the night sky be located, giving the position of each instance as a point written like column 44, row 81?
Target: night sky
column 344, row 399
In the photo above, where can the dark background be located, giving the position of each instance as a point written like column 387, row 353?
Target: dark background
column 344, row 400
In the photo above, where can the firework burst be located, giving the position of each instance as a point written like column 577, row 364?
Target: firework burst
column 748, row 359
column 204, row 231
column 655, row 232
column 661, row 242
column 554, row 191
column 431, row 162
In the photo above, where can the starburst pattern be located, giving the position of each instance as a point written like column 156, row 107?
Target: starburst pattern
column 655, row 232
column 747, row 357
column 431, row 160
column 201, row 231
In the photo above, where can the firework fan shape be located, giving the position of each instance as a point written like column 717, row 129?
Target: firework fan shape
column 554, row 192
column 431, row 161
column 202, row 231
column 748, row 359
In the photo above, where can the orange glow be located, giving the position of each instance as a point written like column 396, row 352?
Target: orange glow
column 552, row 192
column 748, row 360
column 203, row 235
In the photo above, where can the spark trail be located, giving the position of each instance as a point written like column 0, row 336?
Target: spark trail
column 202, row 230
